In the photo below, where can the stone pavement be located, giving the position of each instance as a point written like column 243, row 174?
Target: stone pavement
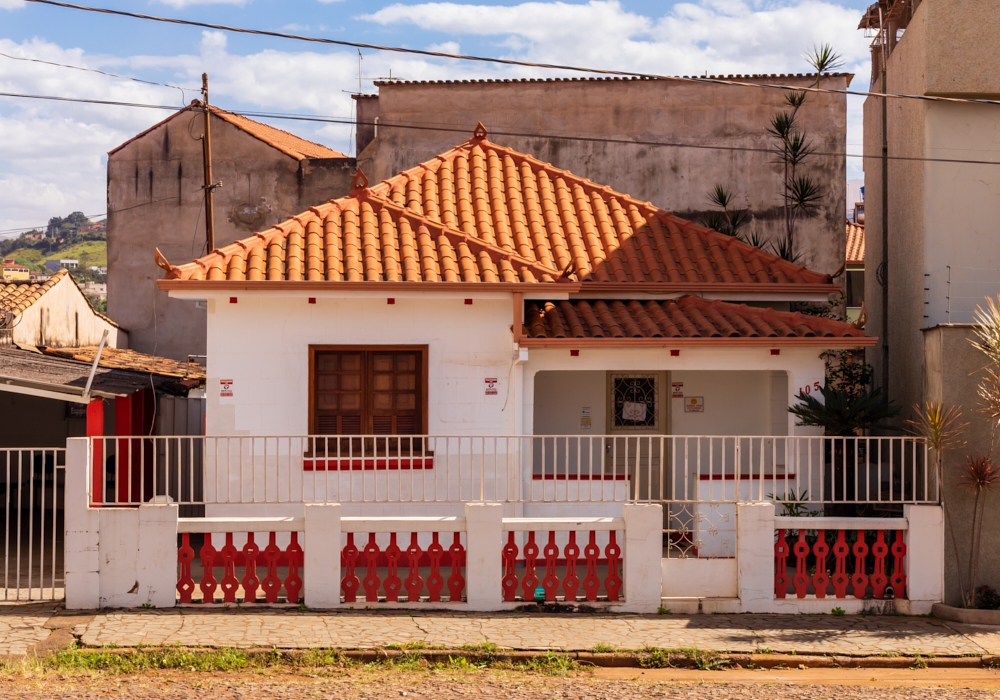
column 24, row 627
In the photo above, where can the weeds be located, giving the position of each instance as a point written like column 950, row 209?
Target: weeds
column 651, row 657
column 918, row 662
column 663, row 611
column 838, row 612
column 603, row 649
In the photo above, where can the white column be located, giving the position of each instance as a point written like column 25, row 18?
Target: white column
column 642, row 554
column 924, row 557
column 119, row 557
column 321, row 555
column 82, row 531
column 755, row 556
column 484, row 556
column 157, row 555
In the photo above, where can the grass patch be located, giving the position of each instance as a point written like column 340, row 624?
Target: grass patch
column 838, row 612
column 603, row 648
column 549, row 665
column 651, row 657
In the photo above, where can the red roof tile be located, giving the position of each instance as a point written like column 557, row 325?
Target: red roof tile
column 688, row 317
column 485, row 213
column 855, row 254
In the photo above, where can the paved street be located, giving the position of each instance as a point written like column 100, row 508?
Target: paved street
column 22, row 627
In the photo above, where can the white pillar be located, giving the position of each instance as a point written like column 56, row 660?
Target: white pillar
column 157, row 556
column 924, row 557
column 321, row 555
column 119, row 557
column 82, row 531
column 755, row 556
column 484, row 556
column 643, row 552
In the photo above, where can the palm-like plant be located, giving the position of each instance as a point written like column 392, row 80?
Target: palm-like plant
column 980, row 476
column 843, row 412
column 823, row 59
column 731, row 219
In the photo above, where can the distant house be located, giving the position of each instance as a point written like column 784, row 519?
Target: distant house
column 103, row 271
column 855, row 261
column 95, row 289
column 14, row 270
column 156, row 200
column 56, row 265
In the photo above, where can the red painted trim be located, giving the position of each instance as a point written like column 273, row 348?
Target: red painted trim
column 743, row 477
column 348, row 464
column 580, row 477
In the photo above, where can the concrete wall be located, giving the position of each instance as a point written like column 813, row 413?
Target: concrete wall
column 155, row 199
column 677, row 179
column 63, row 317
column 952, row 372
column 939, row 214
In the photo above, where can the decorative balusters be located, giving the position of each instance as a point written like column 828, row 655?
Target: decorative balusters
column 550, row 582
column 456, row 582
column 591, row 584
column 435, row 582
column 349, row 583
column 414, row 584
column 509, row 582
column 870, row 571
column 566, row 558
column 530, row 581
column 392, row 582
column 231, row 558
column 572, row 582
column 372, row 581
column 613, row 583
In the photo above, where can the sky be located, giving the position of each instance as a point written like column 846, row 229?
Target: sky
column 53, row 154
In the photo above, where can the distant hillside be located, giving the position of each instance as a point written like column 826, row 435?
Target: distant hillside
column 74, row 237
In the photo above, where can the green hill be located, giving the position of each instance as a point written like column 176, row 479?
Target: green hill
column 87, row 252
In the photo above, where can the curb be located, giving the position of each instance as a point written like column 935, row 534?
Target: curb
column 624, row 659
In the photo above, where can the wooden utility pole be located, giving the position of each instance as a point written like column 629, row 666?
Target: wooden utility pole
column 206, row 151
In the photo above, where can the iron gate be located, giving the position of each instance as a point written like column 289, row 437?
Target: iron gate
column 32, row 493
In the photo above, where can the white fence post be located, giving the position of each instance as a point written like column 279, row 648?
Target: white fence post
column 83, row 581
column 643, row 553
column 755, row 555
column 484, row 556
column 156, row 560
column 924, row 557
column 321, row 556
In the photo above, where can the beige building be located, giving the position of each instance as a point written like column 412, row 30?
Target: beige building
column 14, row 271
column 933, row 253
column 156, row 200
column 611, row 126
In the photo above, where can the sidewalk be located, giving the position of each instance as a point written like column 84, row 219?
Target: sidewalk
column 37, row 628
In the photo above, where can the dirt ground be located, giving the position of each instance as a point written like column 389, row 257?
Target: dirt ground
column 592, row 684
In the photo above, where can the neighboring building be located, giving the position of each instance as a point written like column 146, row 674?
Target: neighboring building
column 14, row 271
column 156, row 200
column 95, row 289
column 103, row 271
column 614, row 112
column 54, row 313
column 854, row 282
column 485, row 292
column 39, row 277
column 56, row 265
column 933, row 251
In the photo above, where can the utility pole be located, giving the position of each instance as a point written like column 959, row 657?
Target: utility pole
column 884, row 266
column 206, row 152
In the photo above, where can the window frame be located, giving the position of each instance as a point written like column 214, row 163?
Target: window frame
column 422, row 370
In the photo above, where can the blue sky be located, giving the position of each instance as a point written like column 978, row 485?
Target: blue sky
column 52, row 155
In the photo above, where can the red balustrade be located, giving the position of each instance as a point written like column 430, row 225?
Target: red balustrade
column 435, row 558
column 230, row 558
column 868, row 573
column 568, row 581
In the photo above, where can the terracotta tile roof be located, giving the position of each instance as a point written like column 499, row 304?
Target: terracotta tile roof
column 756, row 77
column 485, row 213
column 687, row 317
column 116, row 358
column 289, row 144
column 16, row 296
column 855, row 254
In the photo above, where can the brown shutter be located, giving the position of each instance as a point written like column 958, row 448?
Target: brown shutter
column 339, row 392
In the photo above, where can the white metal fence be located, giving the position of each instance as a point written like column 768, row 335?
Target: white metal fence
column 801, row 473
column 31, row 480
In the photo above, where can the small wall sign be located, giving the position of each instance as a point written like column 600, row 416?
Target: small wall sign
column 225, row 388
column 586, row 421
column 677, row 390
column 491, row 386
column 694, row 404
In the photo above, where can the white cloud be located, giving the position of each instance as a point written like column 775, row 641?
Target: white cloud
column 186, row 3
column 11, row 4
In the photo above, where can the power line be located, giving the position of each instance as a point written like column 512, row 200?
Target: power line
column 101, row 72
column 518, row 134
column 502, row 61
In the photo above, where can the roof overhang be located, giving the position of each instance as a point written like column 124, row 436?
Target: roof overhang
column 711, row 342
column 58, row 392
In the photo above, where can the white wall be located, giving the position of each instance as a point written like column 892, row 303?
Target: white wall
column 63, row 317
column 560, row 398
column 262, row 344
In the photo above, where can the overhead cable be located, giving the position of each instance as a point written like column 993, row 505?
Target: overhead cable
column 501, row 61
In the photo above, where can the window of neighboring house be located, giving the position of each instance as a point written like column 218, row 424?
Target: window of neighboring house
column 855, row 288
column 368, row 391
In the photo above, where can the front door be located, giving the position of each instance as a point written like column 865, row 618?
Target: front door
column 637, row 421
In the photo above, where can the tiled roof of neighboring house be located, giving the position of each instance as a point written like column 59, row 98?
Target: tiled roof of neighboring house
column 687, row 318
column 483, row 213
column 16, row 296
column 116, row 358
column 855, row 254
column 289, row 144
column 617, row 78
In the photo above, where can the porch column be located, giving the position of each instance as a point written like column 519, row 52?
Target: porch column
column 924, row 557
column 642, row 557
column 82, row 557
column 755, row 555
column 321, row 556
column 484, row 556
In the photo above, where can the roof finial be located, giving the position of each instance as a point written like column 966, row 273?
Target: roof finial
column 360, row 181
column 480, row 131
column 161, row 260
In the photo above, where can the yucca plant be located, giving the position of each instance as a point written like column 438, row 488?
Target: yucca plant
column 842, row 412
column 731, row 220
column 980, row 476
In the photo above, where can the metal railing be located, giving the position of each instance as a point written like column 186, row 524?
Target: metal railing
column 32, row 486
column 798, row 472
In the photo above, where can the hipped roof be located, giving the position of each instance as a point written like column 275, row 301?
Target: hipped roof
column 484, row 213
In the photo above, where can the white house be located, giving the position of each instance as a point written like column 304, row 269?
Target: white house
column 486, row 367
